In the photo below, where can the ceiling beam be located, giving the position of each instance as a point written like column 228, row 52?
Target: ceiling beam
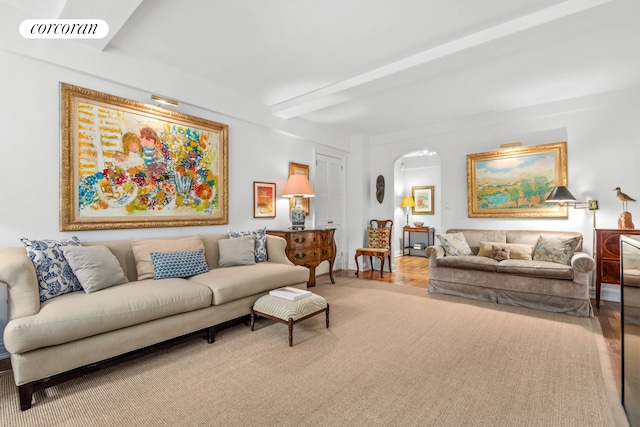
column 338, row 92
column 113, row 12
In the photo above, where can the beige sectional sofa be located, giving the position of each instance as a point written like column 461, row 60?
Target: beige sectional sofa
column 532, row 283
column 52, row 341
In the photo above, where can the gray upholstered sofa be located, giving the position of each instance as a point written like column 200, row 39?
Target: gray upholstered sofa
column 542, row 285
column 69, row 334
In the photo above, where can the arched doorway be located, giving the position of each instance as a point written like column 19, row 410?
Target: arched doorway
column 420, row 168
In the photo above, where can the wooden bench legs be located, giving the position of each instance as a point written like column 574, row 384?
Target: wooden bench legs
column 289, row 322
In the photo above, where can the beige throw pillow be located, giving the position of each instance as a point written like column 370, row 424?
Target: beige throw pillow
column 142, row 249
column 95, row 267
column 238, row 251
column 516, row 250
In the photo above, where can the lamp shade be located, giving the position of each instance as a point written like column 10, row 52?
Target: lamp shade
column 298, row 186
column 560, row 194
column 407, row 201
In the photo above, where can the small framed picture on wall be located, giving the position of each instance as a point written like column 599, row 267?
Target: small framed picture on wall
column 264, row 199
column 423, row 199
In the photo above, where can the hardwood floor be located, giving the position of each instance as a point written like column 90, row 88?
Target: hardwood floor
column 414, row 271
column 609, row 317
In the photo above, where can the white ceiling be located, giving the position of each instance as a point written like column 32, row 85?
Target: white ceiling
column 376, row 67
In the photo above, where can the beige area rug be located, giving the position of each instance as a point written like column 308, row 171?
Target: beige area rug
column 393, row 356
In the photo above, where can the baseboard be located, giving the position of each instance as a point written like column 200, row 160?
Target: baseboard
column 5, row 365
column 607, row 293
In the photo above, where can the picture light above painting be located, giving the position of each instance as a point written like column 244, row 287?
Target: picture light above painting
column 514, row 182
column 126, row 164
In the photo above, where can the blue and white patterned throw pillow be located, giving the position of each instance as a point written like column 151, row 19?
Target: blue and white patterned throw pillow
column 260, row 252
column 178, row 264
column 55, row 276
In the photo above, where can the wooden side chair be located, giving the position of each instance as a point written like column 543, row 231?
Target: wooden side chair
column 378, row 243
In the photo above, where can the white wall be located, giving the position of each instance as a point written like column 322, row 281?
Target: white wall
column 359, row 196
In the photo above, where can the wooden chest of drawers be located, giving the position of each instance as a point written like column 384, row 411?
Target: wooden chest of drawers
column 608, row 257
column 309, row 248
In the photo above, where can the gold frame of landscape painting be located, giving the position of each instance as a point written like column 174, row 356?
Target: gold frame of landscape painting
column 126, row 164
column 514, row 182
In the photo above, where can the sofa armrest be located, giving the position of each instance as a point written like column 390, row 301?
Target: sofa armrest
column 433, row 253
column 276, row 250
column 19, row 274
column 582, row 262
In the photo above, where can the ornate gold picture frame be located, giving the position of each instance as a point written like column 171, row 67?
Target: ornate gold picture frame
column 126, row 164
column 514, row 182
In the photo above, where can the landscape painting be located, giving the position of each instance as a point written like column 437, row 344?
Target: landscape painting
column 514, row 182
column 126, row 164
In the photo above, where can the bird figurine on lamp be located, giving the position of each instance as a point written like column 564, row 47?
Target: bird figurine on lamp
column 624, row 220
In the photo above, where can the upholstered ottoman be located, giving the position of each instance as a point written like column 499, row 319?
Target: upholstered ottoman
column 288, row 311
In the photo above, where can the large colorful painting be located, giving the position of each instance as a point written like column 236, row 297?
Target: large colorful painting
column 514, row 182
column 126, row 164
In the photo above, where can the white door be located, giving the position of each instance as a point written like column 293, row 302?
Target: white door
column 329, row 200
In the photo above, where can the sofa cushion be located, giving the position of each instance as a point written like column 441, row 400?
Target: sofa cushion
column 238, row 251
column 516, row 250
column 55, row 276
column 229, row 284
column 78, row 315
column 142, row 249
column 95, row 267
column 260, row 235
column 556, row 248
column 545, row 269
column 455, row 244
column 469, row 262
column 178, row 264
